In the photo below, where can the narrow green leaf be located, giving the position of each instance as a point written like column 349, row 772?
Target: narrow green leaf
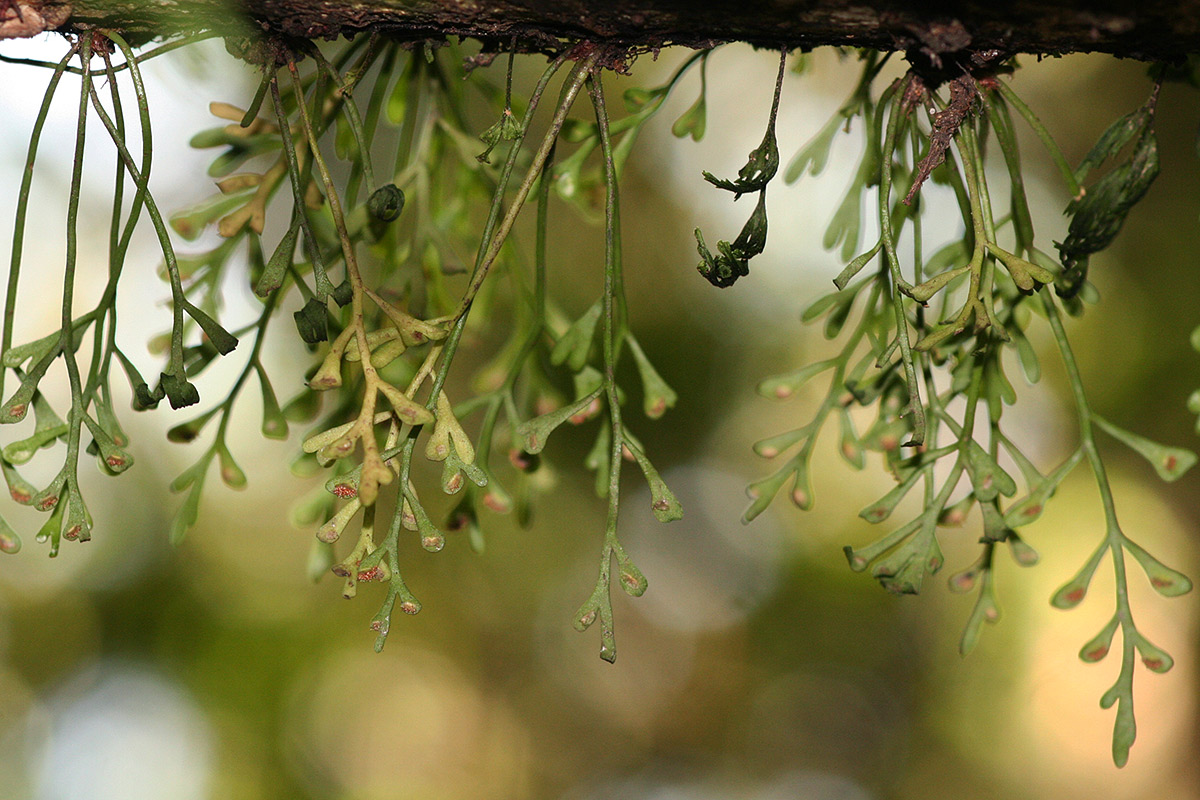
column 185, row 518
column 987, row 477
column 985, row 610
column 813, row 156
column 1022, row 552
column 536, row 431
column 657, row 395
column 231, row 474
column 1166, row 581
column 922, row 292
column 281, row 259
column 1098, row 646
column 221, row 339
column 882, row 508
column 1124, row 730
column 854, row 267
column 10, row 542
column 849, row 445
column 274, row 422
column 663, row 502
column 1071, row 593
column 784, row 386
column 774, row 445
column 692, row 122
column 632, row 580
column 191, row 222
column 575, row 344
column 904, row 570
column 1153, row 657
column 1169, row 462
column 1027, row 356
column 763, row 491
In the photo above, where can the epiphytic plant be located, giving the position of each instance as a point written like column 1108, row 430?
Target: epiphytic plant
column 378, row 261
column 936, row 377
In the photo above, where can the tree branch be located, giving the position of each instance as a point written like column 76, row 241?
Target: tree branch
column 1150, row 30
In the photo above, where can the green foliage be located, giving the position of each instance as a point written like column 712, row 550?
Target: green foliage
column 370, row 267
column 924, row 347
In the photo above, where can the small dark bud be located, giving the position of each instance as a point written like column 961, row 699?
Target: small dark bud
column 386, row 203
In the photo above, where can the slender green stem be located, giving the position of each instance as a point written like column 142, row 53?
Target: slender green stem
column 146, row 56
column 982, row 269
column 350, row 111
column 1114, row 537
column 539, row 283
column 449, row 348
column 1002, row 124
column 253, row 363
column 414, row 74
column 612, row 322
column 119, row 246
column 1056, row 153
column 298, row 180
column 1086, row 431
column 18, row 240
column 78, row 412
column 142, row 180
column 574, row 83
column 537, row 325
column 375, row 105
column 331, row 194
column 916, row 407
column 114, row 232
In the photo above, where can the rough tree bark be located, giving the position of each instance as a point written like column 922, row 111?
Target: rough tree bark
column 1148, row 30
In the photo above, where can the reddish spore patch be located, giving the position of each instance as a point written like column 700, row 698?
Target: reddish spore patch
column 495, row 503
column 373, row 574
column 965, row 581
column 954, row 517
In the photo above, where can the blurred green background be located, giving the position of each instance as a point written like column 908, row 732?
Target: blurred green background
column 757, row 665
